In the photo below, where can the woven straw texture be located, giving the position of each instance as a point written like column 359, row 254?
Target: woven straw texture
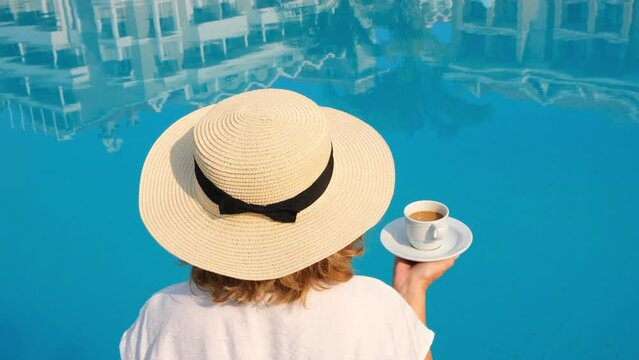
column 262, row 147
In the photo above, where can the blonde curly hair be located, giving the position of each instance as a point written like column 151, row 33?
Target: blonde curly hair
column 291, row 288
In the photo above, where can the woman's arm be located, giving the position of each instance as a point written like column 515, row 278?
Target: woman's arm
column 411, row 279
column 416, row 298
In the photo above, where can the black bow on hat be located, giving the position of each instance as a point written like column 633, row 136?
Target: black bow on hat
column 230, row 205
column 283, row 211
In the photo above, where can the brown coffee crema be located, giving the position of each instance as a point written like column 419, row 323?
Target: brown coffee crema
column 426, row 215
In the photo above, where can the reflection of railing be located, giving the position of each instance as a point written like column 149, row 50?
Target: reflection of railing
column 202, row 54
column 575, row 49
column 299, row 8
column 610, row 20
column 202, row 15
column 548, row 87
column 135, row 57
column 280, row 74
column 37, row 118
column 436, row 11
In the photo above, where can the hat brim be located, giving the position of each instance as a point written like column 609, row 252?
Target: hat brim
column 252, row 246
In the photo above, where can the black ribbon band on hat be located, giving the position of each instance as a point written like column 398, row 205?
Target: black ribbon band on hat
column 283, row 211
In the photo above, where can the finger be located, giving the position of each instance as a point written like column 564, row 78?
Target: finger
column 404, row 261
column 402, row 264
column 449, row 262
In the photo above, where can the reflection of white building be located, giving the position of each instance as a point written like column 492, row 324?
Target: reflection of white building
column 516, row 48
column 354, row 73
column 67, row 65
column 509, row 26
column 71, row 64
column 609, row 20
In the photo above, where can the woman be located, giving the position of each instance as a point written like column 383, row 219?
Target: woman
column 266, row 195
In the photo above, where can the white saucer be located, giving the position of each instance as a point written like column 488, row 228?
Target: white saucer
column 457, row 240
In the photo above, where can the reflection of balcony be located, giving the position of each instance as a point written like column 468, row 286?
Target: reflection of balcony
column 475, row 13
column 132, row 50
column 45, row 94
column 260, row 4
column 38, row 56
column 6, row 15
column 578, row 53
column 42, row 118
column 9, row 50
column 221, row 29
column 213, row 13
column 26, row 18
column 570, row 53
column 202, row 54
column 167, row 25
column 575, row 16
column 472, row 46
column 107, row 32
column 43, row 21
column 550, row 87
column 210, row 53
column 502, row 19
column 118, row 68
column 228, row 10
column 609, row 20
column 265, row 25
column 151, row 28
column 70, row 58
column 167, row 68
column 506, row 14
column 15, row 86
column 203, row 15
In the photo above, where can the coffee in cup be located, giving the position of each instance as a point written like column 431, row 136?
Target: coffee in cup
column 426, row 215
column 426, row 224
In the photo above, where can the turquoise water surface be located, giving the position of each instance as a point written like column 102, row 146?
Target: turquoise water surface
column 522, row 116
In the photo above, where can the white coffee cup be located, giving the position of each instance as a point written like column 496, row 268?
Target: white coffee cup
column 426, row 235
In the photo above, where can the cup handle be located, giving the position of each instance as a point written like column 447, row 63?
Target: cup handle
column 436, row 232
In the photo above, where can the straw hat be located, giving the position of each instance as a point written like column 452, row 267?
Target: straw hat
column 263, row 184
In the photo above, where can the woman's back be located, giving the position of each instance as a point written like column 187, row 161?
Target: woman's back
column 363, row 318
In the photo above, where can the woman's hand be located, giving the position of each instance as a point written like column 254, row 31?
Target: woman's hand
column 411, row 276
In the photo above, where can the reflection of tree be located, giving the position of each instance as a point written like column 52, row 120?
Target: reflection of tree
column 408, row 16
column 408, row 95
column 341, row 31
column 415, row 94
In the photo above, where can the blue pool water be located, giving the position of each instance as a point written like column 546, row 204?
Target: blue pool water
column 522, row 116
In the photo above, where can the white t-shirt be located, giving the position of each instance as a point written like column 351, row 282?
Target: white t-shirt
column 363, row 318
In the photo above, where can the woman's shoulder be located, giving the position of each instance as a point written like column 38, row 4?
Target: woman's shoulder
column 373, row 284
column 183, row 288
column 370, row 282
column 362, row 301
column 371, row 289
column 175, row 294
